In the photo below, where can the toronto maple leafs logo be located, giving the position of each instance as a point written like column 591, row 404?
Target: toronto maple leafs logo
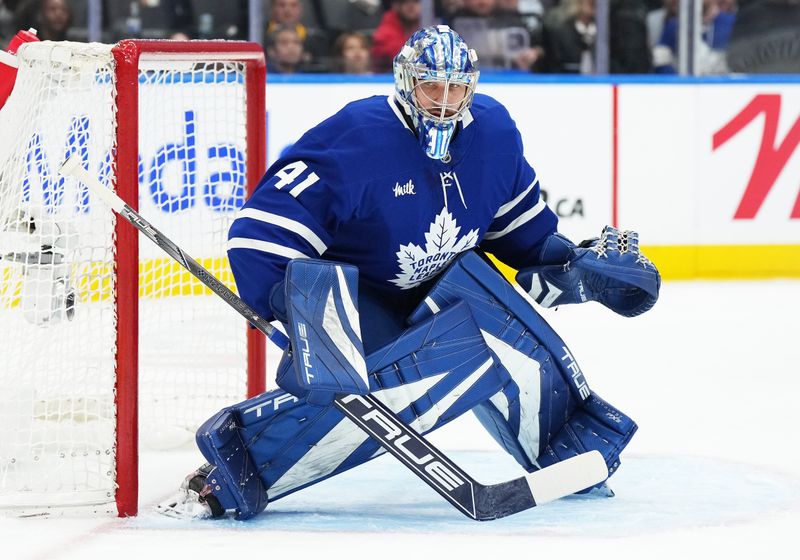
column 442, row 244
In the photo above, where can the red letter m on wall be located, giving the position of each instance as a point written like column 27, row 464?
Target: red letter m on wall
column 771, row 158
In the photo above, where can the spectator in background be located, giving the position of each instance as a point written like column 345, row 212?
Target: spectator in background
column 446, row 9
column 472, row 22
column 477, row 8
column 569, row 41
column 508, row 5
column 536, row 7
column 657, row 18
column 531, row 11
column 716, row 33
column 351, row 54
column 181, row 18
column 371, row 6
column 629, row 52
column 54, row 18
column 5, row 25
column 524, row 54
column 289, row 14
column 25, row 12
column 51, row 20
column 285, row 53
column 498, row 33
column 766, row 37
column 396, row 26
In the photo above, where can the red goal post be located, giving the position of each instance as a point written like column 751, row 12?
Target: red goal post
column 100, row 325
column 127, row 55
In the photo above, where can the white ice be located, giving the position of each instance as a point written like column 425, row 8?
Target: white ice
column 711, row 377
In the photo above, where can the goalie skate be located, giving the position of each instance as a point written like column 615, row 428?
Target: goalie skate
column 193, row 499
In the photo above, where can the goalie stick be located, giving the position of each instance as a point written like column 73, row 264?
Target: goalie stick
column 476, row 501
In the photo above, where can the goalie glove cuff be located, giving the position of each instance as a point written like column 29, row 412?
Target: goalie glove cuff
column 555, row 250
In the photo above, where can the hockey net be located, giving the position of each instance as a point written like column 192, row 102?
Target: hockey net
column 91, row 322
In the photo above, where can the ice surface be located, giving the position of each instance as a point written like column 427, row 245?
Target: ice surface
column 710, row 375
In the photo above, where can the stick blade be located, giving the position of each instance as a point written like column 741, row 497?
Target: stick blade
column 72, row 163
column 73, row 167
column 567, row 477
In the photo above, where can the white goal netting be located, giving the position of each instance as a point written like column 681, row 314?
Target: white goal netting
column 58, row 318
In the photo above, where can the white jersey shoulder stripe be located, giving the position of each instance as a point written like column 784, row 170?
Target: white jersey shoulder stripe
column 396, row 110
column 467, row 119
column 265, row 247
column 524, row 218
column 509, row 205
column 292, row 225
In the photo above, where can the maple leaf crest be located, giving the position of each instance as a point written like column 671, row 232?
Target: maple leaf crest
column 442, row 244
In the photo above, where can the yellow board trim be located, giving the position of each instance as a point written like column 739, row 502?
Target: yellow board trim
column 158, row 278
column 164, row 277
column 716, row 262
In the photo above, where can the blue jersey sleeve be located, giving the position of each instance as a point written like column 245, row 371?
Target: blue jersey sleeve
column 522, row 223
column 294, row 213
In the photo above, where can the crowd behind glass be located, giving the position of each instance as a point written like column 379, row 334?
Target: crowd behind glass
column 362, row 36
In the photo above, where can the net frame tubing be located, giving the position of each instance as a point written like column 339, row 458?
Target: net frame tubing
column 127, row 56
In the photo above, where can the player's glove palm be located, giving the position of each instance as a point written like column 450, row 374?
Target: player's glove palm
column 610, row 270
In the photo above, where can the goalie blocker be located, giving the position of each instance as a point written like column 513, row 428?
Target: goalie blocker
column 475, row 343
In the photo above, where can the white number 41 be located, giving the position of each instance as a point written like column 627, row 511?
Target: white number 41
column 289, row 174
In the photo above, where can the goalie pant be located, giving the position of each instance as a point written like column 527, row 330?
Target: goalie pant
column 476, row 344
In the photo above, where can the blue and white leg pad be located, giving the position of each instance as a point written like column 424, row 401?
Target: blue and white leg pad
column 546, row 411
column 324, row 328
column 234, row 480
column 593, row 425
column 432, row 373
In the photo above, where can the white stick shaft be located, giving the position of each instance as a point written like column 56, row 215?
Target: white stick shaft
column 73, row 167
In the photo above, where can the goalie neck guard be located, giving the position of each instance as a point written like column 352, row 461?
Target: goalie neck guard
column 435, row 75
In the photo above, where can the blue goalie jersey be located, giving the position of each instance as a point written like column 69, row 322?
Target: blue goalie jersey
column 358, row 189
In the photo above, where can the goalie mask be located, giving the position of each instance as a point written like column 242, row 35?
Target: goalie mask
column 435, row 75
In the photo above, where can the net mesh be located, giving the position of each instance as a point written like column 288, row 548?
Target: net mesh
column 192, row 180
column 57, row 255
